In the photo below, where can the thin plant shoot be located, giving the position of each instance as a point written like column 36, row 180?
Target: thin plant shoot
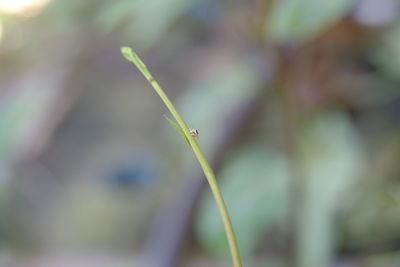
column 190, row 135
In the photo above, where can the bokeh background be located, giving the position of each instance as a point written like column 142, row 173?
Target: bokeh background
column 298, row 107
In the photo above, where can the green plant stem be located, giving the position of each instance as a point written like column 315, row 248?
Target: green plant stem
column 208, row 172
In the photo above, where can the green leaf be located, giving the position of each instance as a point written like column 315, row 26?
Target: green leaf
column 254, row 183
column 301, row 20
column 177, row 128
column 331, row 156
column 207, row 102
column 373, row 214
column 19, row 117
column 143, row 22
column 389, row 259
column 387, row 52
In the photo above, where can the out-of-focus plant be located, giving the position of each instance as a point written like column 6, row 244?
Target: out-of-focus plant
column 301, row 20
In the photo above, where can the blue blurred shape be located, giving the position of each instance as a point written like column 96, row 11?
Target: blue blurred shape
column 134, row 174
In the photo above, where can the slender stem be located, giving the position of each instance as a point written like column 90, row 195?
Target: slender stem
column 208, row 172
column 230, row 233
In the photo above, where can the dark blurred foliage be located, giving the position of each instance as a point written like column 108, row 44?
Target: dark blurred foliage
column 297, row 103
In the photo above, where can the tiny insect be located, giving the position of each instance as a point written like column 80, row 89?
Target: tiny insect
column 194, row 133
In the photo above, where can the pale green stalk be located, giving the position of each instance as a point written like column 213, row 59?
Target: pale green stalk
column 131, row 56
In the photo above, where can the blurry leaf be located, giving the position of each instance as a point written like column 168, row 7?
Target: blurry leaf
column 300, row 20
column 387, row 53
column 208, row 102
column 331, row 155
column 146, row 21
column 18, row 116
column 373, row 215
column 389, row 199
column 390, row 259
column 254, row 184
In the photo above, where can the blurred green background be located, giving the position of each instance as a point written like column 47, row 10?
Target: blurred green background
column 298, row 107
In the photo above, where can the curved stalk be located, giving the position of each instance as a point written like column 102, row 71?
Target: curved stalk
column 131, row 56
